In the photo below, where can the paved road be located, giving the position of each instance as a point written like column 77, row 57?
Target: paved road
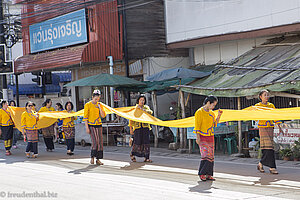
column 170, row 176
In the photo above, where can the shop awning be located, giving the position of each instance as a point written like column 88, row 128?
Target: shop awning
column 274, row 67
column 65, row 58
column 49, row 60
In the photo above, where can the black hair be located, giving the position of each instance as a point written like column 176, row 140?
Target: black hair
column 28, row 102
column 3, row 102
column 69, row 102
column 12, row 101
column 141, row 96
column 59, row 106
column 46, row 102
column 261, row 93
column 210, row 99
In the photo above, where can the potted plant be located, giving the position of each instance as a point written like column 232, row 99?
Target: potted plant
column 296, row 154
column 296, row 150
column 286, row 153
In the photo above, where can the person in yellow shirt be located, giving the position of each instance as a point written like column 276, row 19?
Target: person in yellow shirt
column 50, row 132
column 29, row 121
column 93, row 112
column 7, row 126
column 205, row 121
column 266, row 134
column 69, row 128
column 141, row 134
column 16, row 132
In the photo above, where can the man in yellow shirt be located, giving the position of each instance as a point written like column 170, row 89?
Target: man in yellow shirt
column 7, row 126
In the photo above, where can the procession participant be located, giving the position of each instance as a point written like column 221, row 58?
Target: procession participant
column 16, row 132
column 266, row 134
column 141, row 134
column 205, row 121
column 29, row 121
column 7, row 126
column 49, row 132
column 93, row 112
column 69, row 128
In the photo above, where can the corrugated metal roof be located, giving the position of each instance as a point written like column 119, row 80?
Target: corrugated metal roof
column 276, row 68
column 50, row 59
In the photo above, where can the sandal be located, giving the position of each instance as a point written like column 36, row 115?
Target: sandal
column 8, row 153
column 202, row 177
column 273, row 171
column 210, row 178
column 34, row 156
column 148, row 160
column 98, row 162
column 260, row 168
column 133, row 159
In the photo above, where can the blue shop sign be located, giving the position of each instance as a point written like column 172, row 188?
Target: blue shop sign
column 65, row 30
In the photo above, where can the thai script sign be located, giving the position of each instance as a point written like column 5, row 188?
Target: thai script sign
column 65, row 30
column 288, row 136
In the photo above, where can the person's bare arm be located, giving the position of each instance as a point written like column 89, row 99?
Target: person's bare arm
column 87, row 127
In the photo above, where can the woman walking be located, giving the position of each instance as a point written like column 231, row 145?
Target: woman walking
column 49, row 132
column 266, row 134
column 205, row 121
column 29, row 121
column 93, row 112
column 7, row 126
column 16, row 132
column 141, row 134
column 69, row 128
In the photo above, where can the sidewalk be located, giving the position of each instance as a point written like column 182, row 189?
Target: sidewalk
column 163, row 152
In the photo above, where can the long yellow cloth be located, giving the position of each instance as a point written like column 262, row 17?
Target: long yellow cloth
column 135, row 114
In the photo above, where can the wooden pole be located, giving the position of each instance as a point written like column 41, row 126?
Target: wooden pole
column 183, row 143
column 154, row 101
column 240, row 127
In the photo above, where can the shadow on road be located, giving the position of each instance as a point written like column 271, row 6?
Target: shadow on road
column 202, row 187
column 86, row 169
column 133, row 166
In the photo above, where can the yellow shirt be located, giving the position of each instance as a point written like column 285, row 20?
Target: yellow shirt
column 265, row 123
column 5, row 118
column 45, row 109
column 28, row 121
column 69, row 122
column 137, row 125
column 92, row 113
column 204, row 122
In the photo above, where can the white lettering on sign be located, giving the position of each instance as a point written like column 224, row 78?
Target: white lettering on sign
column 57, row 32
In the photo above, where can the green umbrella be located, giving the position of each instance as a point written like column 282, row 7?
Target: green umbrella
column 109, row 80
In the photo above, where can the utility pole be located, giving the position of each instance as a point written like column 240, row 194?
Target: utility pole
column 2, row 41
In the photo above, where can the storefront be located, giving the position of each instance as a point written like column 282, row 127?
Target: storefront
column 70, row 36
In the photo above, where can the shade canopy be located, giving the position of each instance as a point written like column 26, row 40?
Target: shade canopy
column 179, row 73
column 109, row 80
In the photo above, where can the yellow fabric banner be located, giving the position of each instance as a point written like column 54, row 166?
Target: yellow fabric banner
column 135, row 114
